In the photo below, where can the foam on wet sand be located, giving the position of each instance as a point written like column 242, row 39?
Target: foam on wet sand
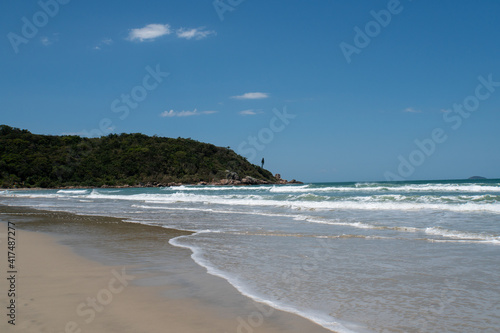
column 59, row 290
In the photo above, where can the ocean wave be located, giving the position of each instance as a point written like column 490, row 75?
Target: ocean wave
column 15, row 194
column 435, row 199
column 463, row 241
column 377, row 203
column 72, row 192
column 308, row 197
column 215, row 188
column 362, row 203
column 298, row 235
column 198, row 257
column 112, row 191
column 361, row 225
column 373, row 187
column 220, row 211
column 358, row 225
column 309, row 188
column 461, row 235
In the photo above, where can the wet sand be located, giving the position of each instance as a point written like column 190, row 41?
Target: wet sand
column 97, row 274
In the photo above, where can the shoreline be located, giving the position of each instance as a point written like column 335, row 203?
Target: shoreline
column 56, row 276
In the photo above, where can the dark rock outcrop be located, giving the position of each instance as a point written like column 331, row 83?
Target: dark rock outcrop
column 231, row 175
column 279, row 180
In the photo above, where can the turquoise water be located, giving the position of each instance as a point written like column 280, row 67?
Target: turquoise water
column 354, row 257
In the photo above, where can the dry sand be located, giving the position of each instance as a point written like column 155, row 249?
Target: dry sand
column 60, row 291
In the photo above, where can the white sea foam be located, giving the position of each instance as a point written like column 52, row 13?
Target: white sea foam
column 358, row 225
column 219, row 211
column 215, row 188
column 388, row 188
column 463, row 241
column 322, row 320
column 72, row 192
column 437, row 231
column 376, row 203
column 361, row 203
column 403, row 218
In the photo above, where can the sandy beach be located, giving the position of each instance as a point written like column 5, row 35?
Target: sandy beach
column 59, row 289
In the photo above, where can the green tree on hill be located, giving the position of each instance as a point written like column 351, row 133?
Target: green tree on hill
column 31, row 160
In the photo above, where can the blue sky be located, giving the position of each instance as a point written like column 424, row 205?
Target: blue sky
column 324, row 90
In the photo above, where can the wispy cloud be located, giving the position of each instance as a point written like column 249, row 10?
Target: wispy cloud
column 250, row 112
column 252, row 95
column 184, row 113
column 105, row 41
column 152, row 31
column 412, row 110
column 46, row 40
column 196, row 33
column 149, row 32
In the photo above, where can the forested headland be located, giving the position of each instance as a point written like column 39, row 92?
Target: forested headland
column 47, row 161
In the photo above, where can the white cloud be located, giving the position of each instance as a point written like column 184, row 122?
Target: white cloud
column 250, row 112
column 196, row 33
column 49, row 40
column 45, row 41
column 149, row 32
column 183, row 113
column 412, row 110
column 209, row 112
column 252, row 95
column 105, row 41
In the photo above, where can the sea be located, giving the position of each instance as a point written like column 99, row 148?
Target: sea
column 420, row 256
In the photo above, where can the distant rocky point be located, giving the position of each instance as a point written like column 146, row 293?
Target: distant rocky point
column 232, row 178
column 279, row 180
column 476, row 178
